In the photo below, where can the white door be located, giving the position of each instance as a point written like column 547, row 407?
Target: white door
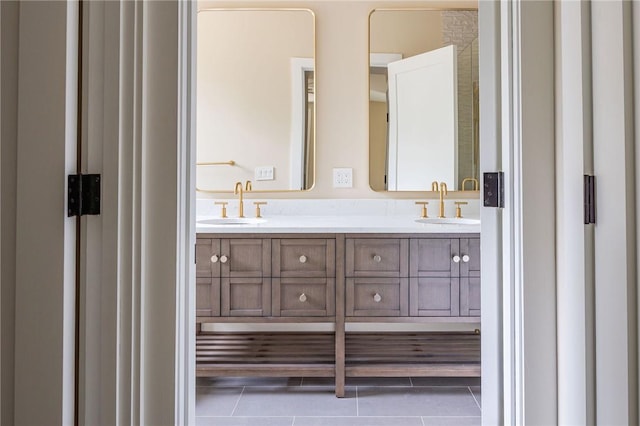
column 423, row 128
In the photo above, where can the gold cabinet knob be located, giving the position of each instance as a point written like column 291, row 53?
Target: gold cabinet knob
column 303, row 298
column 377, row 298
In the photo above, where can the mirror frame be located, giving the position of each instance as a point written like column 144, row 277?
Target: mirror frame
column 432, row 194
column 315, row 109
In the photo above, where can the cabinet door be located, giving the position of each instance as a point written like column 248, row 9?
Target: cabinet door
column 314, row 257
column 245, row 297
column 470, row 247
column 303, row 297
column 246, row 257
column 433, row 257
column 207, row 297
column 375, row 257
column 207, row 257
column 378, row 297
column 434, row 297
column 470, row 296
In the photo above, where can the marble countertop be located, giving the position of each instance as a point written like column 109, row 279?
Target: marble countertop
column 330, row 224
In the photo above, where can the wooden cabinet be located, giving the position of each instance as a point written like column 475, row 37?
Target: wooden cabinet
column 416, row 277
column 338, row 278
column 233, row 277
column 376, row 277
column 260, row 277
column 445, row 276
column 304, row 276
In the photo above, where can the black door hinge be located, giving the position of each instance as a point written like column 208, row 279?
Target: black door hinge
column 589, row 199
column 84, row 195
column 493, row 185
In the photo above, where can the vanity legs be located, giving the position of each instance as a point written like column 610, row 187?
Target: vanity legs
column 340, row 317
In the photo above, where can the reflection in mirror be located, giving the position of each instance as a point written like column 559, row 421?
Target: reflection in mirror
column 255, row 99
column 423, row 105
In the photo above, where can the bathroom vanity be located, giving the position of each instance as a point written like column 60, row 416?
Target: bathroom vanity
column 367, row 270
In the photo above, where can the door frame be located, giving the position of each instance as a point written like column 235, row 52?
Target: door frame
column 153, row 305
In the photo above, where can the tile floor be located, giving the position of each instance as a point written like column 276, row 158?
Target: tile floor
column 311, row 402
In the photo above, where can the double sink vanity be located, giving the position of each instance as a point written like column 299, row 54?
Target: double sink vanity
column 338, row 270
column 316, row 287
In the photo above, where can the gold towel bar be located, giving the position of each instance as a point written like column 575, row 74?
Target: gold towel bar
column 219, row 163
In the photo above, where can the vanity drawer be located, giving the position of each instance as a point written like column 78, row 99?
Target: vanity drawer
column 302, row 297
column 434, row 257
column 434, row 297
column 207, row 297
column 246, row 257
column 245, row 297
column 378, row 297
column 373, row 257
column 304, row 257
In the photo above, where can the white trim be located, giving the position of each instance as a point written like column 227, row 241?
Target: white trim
column 186, row 183
column 46, row 154
column 298, row 111
column 576, row 368
column 491, row 218
column 512, row 356
column 382, row 60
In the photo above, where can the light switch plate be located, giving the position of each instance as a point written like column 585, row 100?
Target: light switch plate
column 264, row 173
column 343, row 177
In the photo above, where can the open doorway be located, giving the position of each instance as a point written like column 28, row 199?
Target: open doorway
column 347, row 300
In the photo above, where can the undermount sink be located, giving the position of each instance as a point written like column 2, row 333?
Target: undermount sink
column 449, row 221
column 232, row 221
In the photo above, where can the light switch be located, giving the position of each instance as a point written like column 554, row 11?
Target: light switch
column 264, row 173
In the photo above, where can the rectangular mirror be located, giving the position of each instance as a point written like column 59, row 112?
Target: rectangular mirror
column 423, row 104
column 255, row 99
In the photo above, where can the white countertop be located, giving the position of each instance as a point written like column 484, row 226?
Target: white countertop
column 334, row 224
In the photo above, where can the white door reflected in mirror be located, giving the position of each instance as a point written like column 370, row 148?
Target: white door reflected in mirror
column 423, row 124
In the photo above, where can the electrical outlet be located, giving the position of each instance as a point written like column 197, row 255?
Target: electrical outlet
column 264, row 173
column 343, row 178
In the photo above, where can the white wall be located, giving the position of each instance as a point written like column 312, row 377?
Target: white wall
column 342, row 92
column 244, row 97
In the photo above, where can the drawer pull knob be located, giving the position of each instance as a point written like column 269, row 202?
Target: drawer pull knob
column 465, row 258
column 377, row 258
column 456, row 258
column 377, row 298
column 224, row 259
column 303, row 259
column 303, row 297
column 214, row 258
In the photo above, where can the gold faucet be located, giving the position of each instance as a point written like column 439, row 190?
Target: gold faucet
column 239, row 191
column 476, row 185
column 443, row 191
